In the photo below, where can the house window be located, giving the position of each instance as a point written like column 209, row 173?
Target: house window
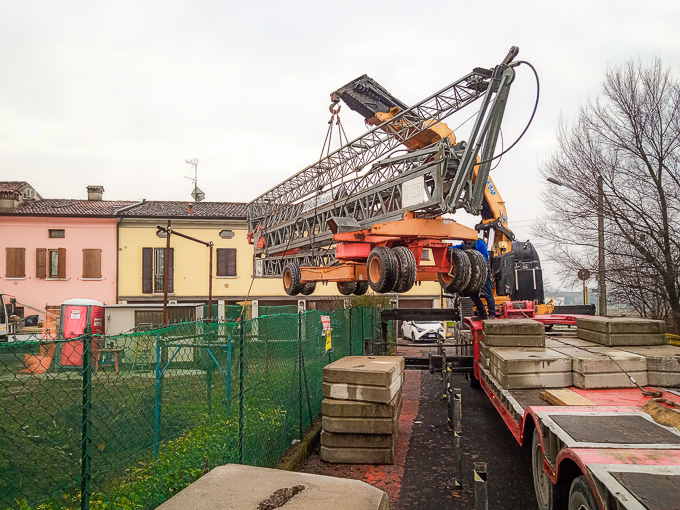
column 226, row 234
column 15, row 260
column 57, row 234
column 153, row 273
column 50, row 263
column 226, row 261
column 92, row 263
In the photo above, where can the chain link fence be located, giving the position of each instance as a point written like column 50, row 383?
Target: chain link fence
column 128, row 421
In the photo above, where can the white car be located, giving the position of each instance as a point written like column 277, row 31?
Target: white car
column 422, row 330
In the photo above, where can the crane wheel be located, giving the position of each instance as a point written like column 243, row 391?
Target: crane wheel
column 291, row 279
column 382, row 268
column 407, row 269
column 461, row 272
column 347, row 288
column 479, row 270
column 308, row 289
column 362, row 288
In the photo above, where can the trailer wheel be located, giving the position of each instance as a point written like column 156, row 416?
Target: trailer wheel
column 347, row 288
column 291, row 279
column 362, row 288
column 580, row 495
column 478, row 271
column 407, row 269
column 382, row 269
column 544, row 488
column 460, row 274
column 308, row 289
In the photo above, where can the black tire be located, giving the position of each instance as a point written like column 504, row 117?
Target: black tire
column 478, row 271
column 291, row 279
column 308, row 289
column 580, row 495
column 362, row 288
column 544, row 488
column 413, row 337
column 407, row 269
column 382, row 269
column 460, row 272
column 347, row 288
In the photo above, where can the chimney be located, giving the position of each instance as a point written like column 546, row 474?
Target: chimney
column 95, row 193
column 191, row 208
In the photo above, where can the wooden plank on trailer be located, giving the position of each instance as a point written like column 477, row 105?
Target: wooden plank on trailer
column 565, row 397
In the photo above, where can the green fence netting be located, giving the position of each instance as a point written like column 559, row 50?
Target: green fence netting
column 128, row 421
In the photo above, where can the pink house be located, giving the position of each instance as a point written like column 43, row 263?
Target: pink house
column 53, row 250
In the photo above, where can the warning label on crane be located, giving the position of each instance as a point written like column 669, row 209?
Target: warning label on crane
column 319, row 200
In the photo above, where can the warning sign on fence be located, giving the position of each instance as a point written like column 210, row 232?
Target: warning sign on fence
column 328, row 340
column 326, row 322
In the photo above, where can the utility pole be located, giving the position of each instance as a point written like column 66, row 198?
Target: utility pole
column 602, row 302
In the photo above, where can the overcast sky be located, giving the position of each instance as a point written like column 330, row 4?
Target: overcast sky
column 121, row 93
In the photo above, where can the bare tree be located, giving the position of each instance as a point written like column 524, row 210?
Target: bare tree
column 630, row 137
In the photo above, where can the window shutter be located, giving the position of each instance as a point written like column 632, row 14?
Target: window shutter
column 15, row 262
column 147, row 270
column 62, row 263
column 92, row 263
column 171, row 271
column 231, row 261
column 41, row 263
column 221, row 262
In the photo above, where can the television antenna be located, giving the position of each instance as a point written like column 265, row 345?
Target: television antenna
column 197, row 194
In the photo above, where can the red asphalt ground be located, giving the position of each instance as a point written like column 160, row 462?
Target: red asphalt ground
column 386, row 477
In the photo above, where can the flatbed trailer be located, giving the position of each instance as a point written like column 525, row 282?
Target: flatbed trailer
column 611, row 454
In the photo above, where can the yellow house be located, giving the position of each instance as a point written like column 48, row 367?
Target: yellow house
column 141, row 256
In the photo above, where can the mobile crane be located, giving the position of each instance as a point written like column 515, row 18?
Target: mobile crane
column 359, row 220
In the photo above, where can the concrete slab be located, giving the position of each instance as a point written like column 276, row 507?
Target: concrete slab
column 365, row 370
column 528, row 360
column 618, row 339
column 484, row 354
column 663, row 379
column 493, row 340
column 358, row 409
column 620, row 325
column 608, row 380
column 660, row 358
column 236, row 487
column 553, row 342
column 513, row 327
column 364, row 393
column 340, row 425
column 600, row 360
column 356, row 456
column 358, row 440
column 577, row 342
column 526, row 381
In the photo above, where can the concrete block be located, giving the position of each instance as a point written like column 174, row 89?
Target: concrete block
column 663, row 379
column 364, row 393
column 333, row 440
column 618, row 339
column 608, row 380
column 600, row 360
column 528, row 360
column 513, row 327
column 235, row 487
column 356, row 456
column 660, row 358
column 493, row 340
column 358, row 409
column 365, row 370
column 527, row 381
column 620, row 325
column 484, row 354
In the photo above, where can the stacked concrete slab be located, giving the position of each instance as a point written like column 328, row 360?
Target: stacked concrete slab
column 513, row 333
column 619, row 331
column 663, row 363
column 530, row 367
column 360, row 414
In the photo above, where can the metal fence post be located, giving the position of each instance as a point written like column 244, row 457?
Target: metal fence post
column 241, row 370
column 481, row 496
column 299, row 332
column 86, row 437
column 157, row 401
column 457, row 433
column 350, row 331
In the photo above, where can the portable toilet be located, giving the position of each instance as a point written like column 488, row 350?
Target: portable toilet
column 75, row 315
